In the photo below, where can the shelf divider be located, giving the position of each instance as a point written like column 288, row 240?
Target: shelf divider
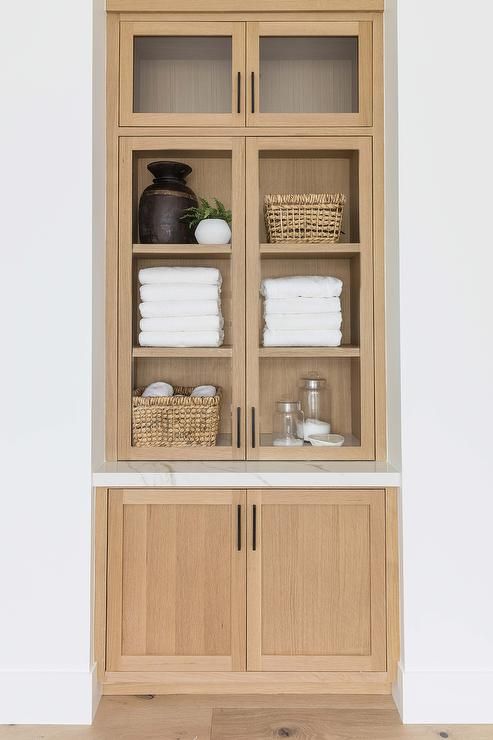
column 343, row 351
column 224, row 351
column 173, row 250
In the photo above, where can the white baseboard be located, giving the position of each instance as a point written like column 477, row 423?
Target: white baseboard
column 48, row 697
column 444, row 697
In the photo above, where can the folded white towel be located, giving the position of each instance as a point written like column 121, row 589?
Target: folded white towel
column 158, row 389
column 301, row 286
column 301, row 305
column 329, row 338
column 168, row 292
column 310, row 321
column 161, row 309
column 204, row 391
column 181, row 338
column 208, row 275
column 182, row 323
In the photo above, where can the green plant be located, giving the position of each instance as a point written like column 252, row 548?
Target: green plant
column 204, row 210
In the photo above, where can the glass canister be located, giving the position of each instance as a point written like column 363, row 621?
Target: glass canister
column 312, row 389
column 287, row 430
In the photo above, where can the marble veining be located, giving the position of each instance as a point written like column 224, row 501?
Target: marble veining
column 243, row 474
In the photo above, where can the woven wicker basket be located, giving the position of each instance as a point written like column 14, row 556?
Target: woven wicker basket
column 308, row 218
column 175, row 421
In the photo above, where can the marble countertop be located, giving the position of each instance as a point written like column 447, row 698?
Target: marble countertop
column 240, row 474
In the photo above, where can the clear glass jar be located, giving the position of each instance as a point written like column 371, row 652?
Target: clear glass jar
column 313, row 387
column 287, row 429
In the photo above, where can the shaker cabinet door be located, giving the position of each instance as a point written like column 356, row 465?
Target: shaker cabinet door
column 182, row 74
column 176, row 580
column 316, row 581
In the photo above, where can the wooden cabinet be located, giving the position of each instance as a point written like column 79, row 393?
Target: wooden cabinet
column 316, row 581
column 258, row 581
column 176, row 581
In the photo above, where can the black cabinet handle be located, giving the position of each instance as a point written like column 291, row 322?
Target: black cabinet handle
column 238, row 93
column 252, row 80
column 253, row 426
column 238, row 527
column 238, row 426
column 254, row 527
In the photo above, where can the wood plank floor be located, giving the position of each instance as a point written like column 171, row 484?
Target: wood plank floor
column 247, row 718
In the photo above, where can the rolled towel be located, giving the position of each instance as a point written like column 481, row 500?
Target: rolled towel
column 329, row 338
column 301, row 305
column 207, row 275
column 162, row 309
column 158, row 389
column 163, row 292
column 301, row 286
column 204, row 391
column 182, row 323
column 310, row 321
column 181, row 338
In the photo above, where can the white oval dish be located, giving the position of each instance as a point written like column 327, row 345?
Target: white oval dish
column 326, row 440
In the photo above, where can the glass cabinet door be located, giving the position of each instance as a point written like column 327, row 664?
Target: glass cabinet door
column 182, row 74
column 309, row 74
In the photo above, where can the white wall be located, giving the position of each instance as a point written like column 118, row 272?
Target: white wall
column 446, row 304
column 46, row 265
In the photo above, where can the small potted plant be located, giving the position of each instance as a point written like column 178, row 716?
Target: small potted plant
column 211, row 222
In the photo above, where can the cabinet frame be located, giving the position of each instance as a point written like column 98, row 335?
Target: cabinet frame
column 126, row 352
column 360, row 29
column 129, row 30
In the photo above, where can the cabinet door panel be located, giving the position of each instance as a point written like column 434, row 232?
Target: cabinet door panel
column 181, row 74
column 316, row 581
column 176, row 581
column 309, row 73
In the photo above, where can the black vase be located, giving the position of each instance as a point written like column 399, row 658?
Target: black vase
column 162, row 205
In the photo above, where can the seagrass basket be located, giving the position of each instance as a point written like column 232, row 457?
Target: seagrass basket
column 176, row 421
column 305, row 218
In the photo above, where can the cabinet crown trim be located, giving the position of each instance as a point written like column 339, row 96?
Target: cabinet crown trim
column 225, row 6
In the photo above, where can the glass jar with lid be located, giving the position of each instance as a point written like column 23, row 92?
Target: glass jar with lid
column 287, row 429
column 314, row 402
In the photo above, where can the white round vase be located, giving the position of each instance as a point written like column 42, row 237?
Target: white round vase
column 213, row 231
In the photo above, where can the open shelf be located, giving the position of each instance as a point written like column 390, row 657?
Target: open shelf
column 192, row 250
column 223, row 351
column 343, row 351
column 303, row 250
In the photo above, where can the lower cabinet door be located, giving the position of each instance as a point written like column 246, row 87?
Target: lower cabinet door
column 176, row 580
column 316, row 581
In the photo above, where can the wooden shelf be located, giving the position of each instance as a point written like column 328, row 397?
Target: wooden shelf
column 350, row 440
column 302, row 250
column 344, row 351
column 194, row 250
column 218, row 352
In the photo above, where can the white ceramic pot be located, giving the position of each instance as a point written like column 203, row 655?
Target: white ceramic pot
column 213, row 231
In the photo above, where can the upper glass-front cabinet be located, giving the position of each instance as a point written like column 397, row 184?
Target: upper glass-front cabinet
column 182, row 74
column 293, row 73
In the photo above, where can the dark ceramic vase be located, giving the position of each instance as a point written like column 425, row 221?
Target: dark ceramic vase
column 162, row 204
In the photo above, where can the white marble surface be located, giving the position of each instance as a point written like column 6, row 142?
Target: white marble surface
column 212, row 474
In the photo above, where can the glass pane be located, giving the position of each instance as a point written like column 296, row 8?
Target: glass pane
column 182, row 74
column 308, row 74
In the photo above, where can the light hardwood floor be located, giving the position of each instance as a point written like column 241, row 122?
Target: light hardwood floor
column 248, row 718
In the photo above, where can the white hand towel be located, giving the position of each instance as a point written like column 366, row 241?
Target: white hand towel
column 301, row 305
column 158, row 389
column 301, row 286
column 207, row 275
column 160, row 292
column 309, row 321
column 161, row 309
column 204, row 391
column 181, row 338
column 329, row 338
column 182, row 323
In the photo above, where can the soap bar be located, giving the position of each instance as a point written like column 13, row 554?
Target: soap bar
column 315, row 426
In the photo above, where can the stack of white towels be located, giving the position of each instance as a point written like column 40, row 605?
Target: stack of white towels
column 302, row 311
column 181, row 307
